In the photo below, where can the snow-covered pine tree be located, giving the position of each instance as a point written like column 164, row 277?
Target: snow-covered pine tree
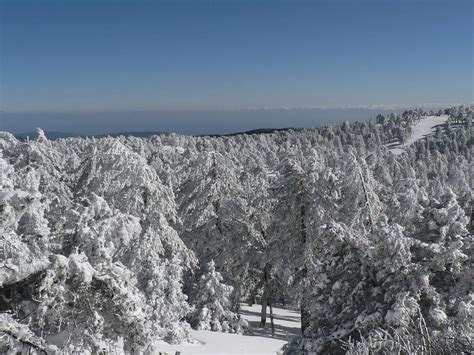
column 213, row 306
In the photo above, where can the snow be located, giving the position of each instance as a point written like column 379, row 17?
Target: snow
column 438, row 315
column 79, row 266
column 421, row 129
column 169, row 148
column 14, row 273
column 255, row 341
column 8, row 195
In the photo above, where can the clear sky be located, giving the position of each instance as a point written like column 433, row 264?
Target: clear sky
column 193, row 55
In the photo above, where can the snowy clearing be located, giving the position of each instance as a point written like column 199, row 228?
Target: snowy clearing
column 421, row 129
column 255, row 341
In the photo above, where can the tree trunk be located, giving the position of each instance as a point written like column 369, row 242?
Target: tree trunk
column 263, row 316
column 305, row 315
column 265, row 298
column 271, row 312
column 367, row 200
column 305, row 319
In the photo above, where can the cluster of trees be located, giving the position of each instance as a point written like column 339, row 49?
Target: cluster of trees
column 112, row 243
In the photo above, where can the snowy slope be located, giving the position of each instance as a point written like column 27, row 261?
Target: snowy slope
column 423, row 128
column 256, row 341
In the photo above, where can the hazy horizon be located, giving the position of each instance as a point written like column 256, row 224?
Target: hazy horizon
column 192, row 122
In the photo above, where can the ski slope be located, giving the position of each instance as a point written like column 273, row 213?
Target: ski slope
column 255, row 341
column 423, row 128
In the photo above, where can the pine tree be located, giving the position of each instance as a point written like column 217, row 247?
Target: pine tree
column 213, row 304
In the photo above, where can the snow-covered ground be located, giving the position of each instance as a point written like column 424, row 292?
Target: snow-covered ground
column 423, row 128
column 255, row 341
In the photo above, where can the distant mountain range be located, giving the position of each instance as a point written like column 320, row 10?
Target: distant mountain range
column 57, row 135
column 253, row 131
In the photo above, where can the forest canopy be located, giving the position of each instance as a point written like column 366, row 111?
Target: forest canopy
column 114, row 243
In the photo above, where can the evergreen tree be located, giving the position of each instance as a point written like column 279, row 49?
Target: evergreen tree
column 213, row 304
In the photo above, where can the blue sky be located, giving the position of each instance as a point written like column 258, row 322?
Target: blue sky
column 95, row 56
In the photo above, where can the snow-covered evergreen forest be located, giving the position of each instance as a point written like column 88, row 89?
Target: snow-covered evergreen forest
column 112, row 244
